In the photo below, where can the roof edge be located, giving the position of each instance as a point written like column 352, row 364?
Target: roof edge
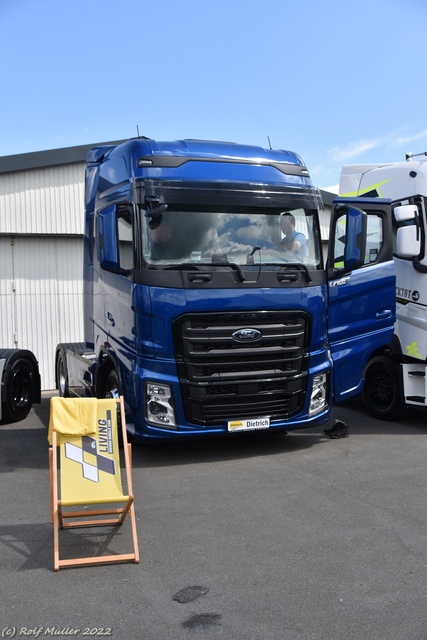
column 51, row 157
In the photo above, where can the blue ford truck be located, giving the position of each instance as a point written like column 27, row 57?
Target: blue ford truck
column 207, row 303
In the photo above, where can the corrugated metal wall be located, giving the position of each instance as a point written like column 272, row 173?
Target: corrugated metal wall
column 7, row 300
column 41, row 245
column 49, row 200
column 41, row 287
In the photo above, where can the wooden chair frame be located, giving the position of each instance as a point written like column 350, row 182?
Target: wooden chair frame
column 63, row 519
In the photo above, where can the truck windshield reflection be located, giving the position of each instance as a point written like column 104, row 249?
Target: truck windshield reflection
column 265, row 237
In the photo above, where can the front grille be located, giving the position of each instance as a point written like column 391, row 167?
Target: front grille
column 225, row 379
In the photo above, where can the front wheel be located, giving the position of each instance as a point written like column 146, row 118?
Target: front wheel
column 382, row 390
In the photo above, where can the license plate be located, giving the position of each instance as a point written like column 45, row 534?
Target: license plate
column 249, row 425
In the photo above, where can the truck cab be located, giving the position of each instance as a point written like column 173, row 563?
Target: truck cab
column 207, row 303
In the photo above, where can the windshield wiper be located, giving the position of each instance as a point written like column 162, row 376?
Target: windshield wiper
column 298, row 265
column 232, row 265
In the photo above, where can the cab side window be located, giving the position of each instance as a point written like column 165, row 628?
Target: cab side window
column 374, row 238
column 124, row 234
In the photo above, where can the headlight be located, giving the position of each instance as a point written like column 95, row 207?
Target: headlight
column 159, row 408
column 318, row 394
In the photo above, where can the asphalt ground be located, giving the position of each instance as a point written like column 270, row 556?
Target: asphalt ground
column 253, row 537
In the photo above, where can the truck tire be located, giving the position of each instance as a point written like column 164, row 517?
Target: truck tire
column 20, row 386
column 112, row 386
column 382, row 390
column 62, row 374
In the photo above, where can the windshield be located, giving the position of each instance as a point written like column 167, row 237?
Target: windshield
column 243, row 236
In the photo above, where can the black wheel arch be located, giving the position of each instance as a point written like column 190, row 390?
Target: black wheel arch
column 393, row 349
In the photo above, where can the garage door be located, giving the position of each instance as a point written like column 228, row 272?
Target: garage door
column 41, row 299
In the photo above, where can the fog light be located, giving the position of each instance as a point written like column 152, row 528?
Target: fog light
column 318, row 394
column 159, row 408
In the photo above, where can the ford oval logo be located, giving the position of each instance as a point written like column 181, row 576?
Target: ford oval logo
column 247, row 335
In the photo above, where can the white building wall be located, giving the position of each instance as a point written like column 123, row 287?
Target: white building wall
column 48, row 200
column 41, row 301
column 41, row 263
column 7, row 300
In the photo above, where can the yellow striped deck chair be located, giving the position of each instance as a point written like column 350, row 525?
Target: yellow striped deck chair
column 85, row 432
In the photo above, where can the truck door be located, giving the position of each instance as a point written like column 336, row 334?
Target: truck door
column 361, row 288
column 113, row 308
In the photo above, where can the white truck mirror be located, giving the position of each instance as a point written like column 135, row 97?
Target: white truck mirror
column 408, row 244
column 405, row 212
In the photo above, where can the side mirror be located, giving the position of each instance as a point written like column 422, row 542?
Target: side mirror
column 156, row 215
column 408, row 240
column 405, row 212
column 354, row 253
column 408, row 243
column 107, row 239
column 347, row 239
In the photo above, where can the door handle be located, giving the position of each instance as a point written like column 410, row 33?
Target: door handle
column 382, row 315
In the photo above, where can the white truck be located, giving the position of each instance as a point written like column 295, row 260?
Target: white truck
column 395, row 376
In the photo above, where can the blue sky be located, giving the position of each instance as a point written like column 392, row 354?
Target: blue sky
column 338, row 82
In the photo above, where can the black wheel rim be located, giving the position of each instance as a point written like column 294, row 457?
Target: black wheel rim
column 382, row 391
column 21, row 388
